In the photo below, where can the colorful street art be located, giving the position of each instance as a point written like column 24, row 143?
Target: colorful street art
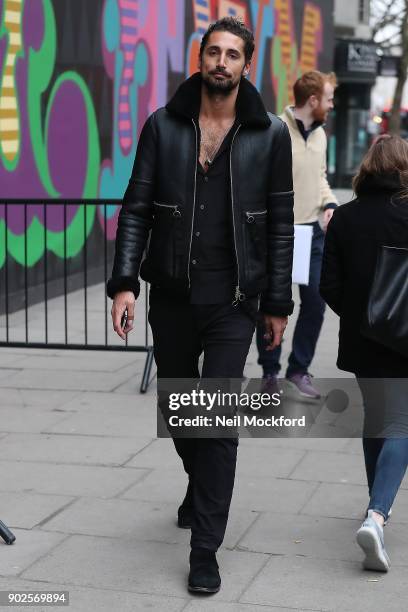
column 77, row 82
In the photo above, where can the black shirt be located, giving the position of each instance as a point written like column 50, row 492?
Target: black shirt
column 213, row 260
column 304, row 132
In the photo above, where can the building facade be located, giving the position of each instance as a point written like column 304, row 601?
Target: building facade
column 356, row 68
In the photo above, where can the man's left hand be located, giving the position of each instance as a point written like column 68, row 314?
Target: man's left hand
column 274, row 328
column 327, row 215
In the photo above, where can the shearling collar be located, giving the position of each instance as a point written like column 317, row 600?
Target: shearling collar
column 250, row 108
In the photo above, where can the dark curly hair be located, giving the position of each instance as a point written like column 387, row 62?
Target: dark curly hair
column 234, row 26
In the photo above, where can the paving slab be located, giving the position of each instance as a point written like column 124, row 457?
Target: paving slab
column 349, row 501
column 144, row 521
column 354, row 446
column 89, row 599
column 252, row 459
column 204, row 605
column 318, row 537
column 132, row 384
column 331, row 467
column 123, row 404
column 7, row 360
column 159, row 454
column 66, row 479
column 267, row 462
column 8, row 374
column 337, row 586
column 309, row 536
column 130, row 418
column 44, row 398
column 88, row 361
column 160, row 485
column 63, row 380
column 274, row 494
column 29, row 546
column 26, row 510
column 148, row 567
column 58, row 448
column 337, row 501
column 34, row 419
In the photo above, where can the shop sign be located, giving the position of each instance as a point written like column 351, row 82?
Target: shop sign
column 362, row 57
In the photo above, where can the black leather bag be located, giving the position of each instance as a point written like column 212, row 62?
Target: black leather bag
column 386, row 320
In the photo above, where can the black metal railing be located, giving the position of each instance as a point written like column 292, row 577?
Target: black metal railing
column 35, row 276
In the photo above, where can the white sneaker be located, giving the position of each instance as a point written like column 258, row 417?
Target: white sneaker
column 386, row 520
column 388, row 517
column 370, row 537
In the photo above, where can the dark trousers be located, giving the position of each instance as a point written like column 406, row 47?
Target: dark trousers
column 181, row 332
column 309, row 321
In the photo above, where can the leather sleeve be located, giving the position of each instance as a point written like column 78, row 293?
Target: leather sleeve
column 135, row 217
column 277, row 300
column 332, row 275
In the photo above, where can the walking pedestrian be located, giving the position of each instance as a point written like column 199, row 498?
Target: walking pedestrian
column 313, row 93
column 358, row 233
column 211, row 197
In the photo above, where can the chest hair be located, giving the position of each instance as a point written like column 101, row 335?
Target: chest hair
column 212, row 136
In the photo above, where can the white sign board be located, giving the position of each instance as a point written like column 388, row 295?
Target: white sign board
column 301, row 254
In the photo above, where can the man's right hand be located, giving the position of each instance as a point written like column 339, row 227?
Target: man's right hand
column 124, row 300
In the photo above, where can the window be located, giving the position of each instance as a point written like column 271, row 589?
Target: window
column 363, row 11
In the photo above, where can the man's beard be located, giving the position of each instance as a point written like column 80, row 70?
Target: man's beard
column 319, row 115
column 219, row 88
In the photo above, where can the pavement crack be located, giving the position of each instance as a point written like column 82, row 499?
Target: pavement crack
column 138, row 452
column 53, row 514
column 256, row 519
column 314, row 490
column 41, row 557
column 297, row 464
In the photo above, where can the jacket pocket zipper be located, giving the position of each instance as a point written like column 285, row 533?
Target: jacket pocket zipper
column 176, row 212
column 250, row 216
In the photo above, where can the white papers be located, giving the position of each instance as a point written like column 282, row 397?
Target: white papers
column 301, row 254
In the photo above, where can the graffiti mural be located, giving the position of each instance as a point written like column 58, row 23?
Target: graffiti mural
column 50, row 147
column 77, row 81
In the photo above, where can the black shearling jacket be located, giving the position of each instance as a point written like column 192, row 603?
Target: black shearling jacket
column 155, row 223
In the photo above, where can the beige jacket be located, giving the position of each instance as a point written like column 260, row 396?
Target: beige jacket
column 312, row 191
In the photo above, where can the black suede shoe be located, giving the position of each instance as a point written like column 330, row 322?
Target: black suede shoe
column 184, row 517
column 204, row 576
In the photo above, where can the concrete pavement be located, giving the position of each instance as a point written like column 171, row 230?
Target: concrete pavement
column 92, row 497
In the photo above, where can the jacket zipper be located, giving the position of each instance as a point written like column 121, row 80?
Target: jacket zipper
column 176, row 212
column 238, row 296
column 250, row 215
column 194, row 203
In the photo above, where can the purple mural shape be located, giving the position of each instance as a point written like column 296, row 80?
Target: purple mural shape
column 66, row 140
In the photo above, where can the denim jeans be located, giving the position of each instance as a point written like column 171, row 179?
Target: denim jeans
column 309, row 321
column 386, row 461
column 385, row 438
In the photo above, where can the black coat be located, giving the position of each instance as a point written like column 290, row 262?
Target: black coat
column 354, row 235
column 158, row 206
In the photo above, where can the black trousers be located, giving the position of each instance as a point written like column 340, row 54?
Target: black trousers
column 181, row 332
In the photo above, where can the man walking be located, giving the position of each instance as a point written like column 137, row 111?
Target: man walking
column 313, row 94
column 211, row 189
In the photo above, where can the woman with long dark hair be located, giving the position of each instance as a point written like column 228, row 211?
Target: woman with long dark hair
column 376, row 219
